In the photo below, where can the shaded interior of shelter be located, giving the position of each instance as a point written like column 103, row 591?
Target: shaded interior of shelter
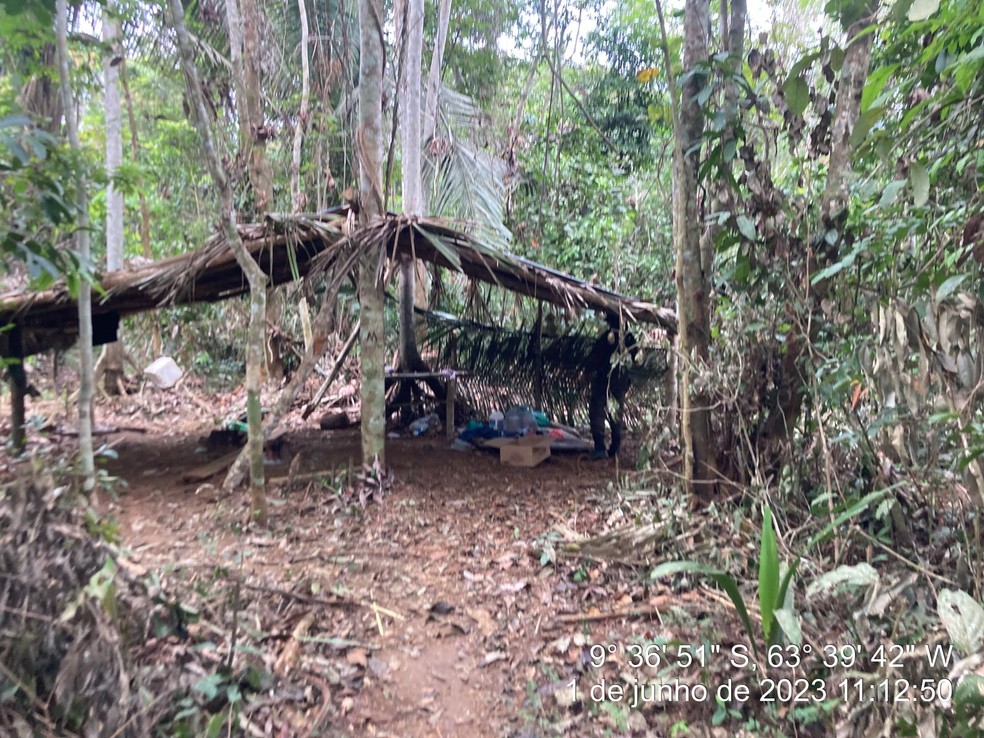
column 549, row 372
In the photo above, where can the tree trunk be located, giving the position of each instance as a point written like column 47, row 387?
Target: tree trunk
column 410, row 123
column 693, row 307
column 412, row 196
column 777, row 431
column 113, row 366
column 41, row 96
column 255, row 130
column 320, row 328
column 87, row 460
column 369, row 141
column 234, row 27
column 257, row 279
column 720, row 196
column 437, row 63
column 297, row 196
column 156, row 342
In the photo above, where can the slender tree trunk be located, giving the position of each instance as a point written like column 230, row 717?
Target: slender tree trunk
column 297, row 197
column 410, row 133
column 437, row 64
column 369, row 142
column 260, row 172
column 18, row 389
column 412, row 196
column 321, row 326
column 854, row 74
column 254, row 129
column 720, row 196
column 156, row 342
column 257, row 279
column 693, row 299
column 113, row 368
column 234, row 27
column 245, row 51
column 82, row 244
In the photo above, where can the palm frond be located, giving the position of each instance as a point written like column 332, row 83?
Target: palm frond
column 464, row 179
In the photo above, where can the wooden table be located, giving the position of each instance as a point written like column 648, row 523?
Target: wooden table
column 450, row 377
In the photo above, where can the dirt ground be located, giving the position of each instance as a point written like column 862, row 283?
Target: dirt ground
column 443, row 607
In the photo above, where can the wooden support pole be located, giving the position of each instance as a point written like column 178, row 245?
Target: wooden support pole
column 538, row 357
column 18, row 389
column 449, row 406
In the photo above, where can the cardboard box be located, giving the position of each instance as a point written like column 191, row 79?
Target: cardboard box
column 525, row 451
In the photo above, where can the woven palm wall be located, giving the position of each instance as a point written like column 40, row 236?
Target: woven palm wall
column 503, row 368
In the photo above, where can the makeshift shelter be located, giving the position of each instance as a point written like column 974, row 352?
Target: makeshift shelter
column 287, row 248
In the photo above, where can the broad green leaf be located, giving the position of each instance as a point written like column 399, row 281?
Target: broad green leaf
column 972, row 56
column 830, row 271
column 209, row 686
column 920, row 10
column 846, row 577
column 797, row 93
column 15, row 121
column 730, row 148
column 968, row 699
column 963, row 618
column 900, row 11
column 964, row 76
column 705, row 94
column 875, row 84
column 866, row 120
column 743, row 268
column 786, row 615
column 949, row 286
column 790, row 625
column 803, row 62
column 891, row 193
column 214, row 729
column 919, row 178
column 747, row 227
column 853, row 510
column 768, row 589
column 724, row 580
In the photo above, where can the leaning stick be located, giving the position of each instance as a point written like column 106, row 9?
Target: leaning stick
column 309, row 408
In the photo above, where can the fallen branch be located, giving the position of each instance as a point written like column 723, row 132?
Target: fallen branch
column 633, row 613
column 306, row 477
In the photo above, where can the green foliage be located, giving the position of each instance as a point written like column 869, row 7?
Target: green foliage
column 34, row 202
column 772, row 590
column 473, row 57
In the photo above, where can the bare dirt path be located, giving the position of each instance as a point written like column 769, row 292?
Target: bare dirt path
column 422, row 615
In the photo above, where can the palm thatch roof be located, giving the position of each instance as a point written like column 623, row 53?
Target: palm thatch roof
column 435, row 241
column 288, row 248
